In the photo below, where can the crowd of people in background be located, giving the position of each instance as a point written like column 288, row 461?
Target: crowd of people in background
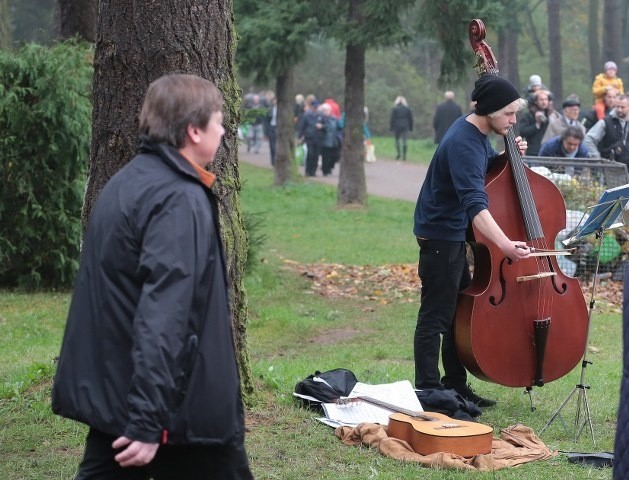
column 318, row 129
column 551, row 130
column 572, row 132
column 569, row 131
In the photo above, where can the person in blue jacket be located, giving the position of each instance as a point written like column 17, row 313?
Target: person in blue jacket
column 567, row 145
column 453, row 195
column 147, row 359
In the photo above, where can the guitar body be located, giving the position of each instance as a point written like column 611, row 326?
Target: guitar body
column 445, row 434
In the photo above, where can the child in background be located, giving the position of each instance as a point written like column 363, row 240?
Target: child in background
column 604, row 82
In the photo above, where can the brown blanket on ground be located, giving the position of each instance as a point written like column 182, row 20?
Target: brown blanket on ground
column 518, row 444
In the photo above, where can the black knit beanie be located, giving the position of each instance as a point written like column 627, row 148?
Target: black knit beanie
column 491, row 93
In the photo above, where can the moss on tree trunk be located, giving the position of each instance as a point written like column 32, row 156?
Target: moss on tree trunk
column 138, row 42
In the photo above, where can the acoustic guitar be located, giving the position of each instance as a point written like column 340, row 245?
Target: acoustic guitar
column 433, row 432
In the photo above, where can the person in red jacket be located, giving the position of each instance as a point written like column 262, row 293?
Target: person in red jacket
column 147, row 359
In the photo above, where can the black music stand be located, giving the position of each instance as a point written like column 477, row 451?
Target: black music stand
column 607, row 214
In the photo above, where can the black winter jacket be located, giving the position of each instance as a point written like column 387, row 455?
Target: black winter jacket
column 401, row 119
column 446, row 114
column 148, row 350
column 307, row 127
column 621, row 445
column 612, row 145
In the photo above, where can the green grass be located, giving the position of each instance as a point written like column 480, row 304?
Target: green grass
column 419, row 150
column 292, row 332
column 29, row 335
column 302, row 223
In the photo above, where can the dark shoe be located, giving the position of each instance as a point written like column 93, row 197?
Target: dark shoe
column 468, row 394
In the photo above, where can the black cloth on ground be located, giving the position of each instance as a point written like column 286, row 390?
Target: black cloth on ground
column 448, row 402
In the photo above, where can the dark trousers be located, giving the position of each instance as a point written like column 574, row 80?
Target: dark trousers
column 312, row 158
column 400, row 143
column 329, row 155
column 192, row 462
column 272, row 141
column 443, row 270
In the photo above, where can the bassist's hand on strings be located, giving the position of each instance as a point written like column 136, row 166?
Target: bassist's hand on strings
column 522, row 145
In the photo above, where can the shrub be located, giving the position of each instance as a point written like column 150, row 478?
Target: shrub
column 45, row 121
column 254, row 222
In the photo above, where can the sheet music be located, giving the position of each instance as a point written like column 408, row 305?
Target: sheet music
column 605, row 215
column 400, row 394
column 355, row 413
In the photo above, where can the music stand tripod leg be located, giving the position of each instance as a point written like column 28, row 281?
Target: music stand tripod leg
column 603, row 216
column 557, row 413
column 578, row 426
column 581, row 388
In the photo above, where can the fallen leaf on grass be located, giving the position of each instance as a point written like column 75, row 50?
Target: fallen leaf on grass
column 399, row 282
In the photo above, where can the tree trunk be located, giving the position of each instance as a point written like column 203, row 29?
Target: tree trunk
column 554, row 42
column 594, row 47
column 137, row 42
column 5, row 31
column 624, row 68
column 352, row 189
column 508, row 62
column 612, row 32
column 78, row 17
column 533, row 31
column 285, row 168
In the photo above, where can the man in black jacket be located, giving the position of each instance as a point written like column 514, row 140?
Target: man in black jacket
column 147, row 359
column 445, row 115
column 311, row 130
column 608, row 138
column 533, row 124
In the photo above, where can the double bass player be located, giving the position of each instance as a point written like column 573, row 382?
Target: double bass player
column 453, row 195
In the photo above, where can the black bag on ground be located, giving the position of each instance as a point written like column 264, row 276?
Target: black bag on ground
column 326, row 387
column 596, row 460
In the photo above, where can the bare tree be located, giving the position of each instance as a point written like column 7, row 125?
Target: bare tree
column 533, row 30
column 77, row 17
column 136, row 43
column 594, row 46
column 285, row 142
column 5, row 31
column 508, row 50
column 366, row 24
column 612, row 31
column 352, row 188
column 554, row 41
column 273, row 36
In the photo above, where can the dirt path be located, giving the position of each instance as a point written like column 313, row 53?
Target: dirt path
column 385, row 178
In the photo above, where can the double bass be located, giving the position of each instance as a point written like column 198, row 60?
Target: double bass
column 520, row 323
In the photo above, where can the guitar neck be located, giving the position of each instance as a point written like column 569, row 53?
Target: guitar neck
column 394, row 408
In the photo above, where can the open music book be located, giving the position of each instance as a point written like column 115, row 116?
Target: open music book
column 401, row 394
